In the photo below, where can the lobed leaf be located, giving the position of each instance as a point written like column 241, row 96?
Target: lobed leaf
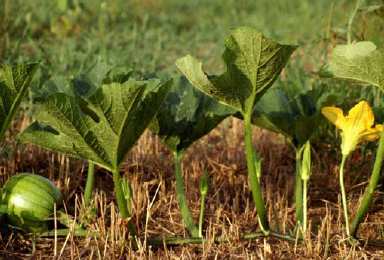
column 101, row 127
column 253, row 62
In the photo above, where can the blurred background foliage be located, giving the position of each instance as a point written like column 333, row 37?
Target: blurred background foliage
column 79, row 37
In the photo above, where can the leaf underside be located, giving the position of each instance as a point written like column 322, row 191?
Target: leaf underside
column 360, row 61
column 101, row 127
column 253, row 62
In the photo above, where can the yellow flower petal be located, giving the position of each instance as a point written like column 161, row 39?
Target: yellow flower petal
column 356, row 127
column 335, row 115
column 361, row 117
column 372, row 134
column 379, row 127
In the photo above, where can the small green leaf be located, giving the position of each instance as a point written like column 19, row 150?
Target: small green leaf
column 100, row 128
column 186, row 115
column 361, row 61
column 253, row 62
column 14, row 82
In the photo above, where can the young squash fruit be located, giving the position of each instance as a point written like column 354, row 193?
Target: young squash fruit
column 29, row 201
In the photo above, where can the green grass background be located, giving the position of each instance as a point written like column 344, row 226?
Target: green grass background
column 69, row 37
column 73, row 37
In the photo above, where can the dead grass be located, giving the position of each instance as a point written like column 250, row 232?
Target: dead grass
column 230, row 211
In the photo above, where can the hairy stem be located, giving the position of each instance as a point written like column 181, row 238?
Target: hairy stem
column 252, row 175
column 181, row 197
column 90, row 183
column 343, row 194
column 368, row 193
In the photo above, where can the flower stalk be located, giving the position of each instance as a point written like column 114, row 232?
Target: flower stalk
column 343, row 195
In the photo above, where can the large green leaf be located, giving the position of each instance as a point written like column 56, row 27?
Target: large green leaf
column 14, row 81
column 101, row 127
column 186, row 115
column 253, row 62
column 361, row 61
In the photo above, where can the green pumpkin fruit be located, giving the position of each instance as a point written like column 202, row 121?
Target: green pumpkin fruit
column 30, row 201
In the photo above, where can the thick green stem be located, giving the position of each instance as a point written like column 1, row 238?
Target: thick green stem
column 181, row 198
column 122, row 200
column 252, row 175
column 368, row 193
column 89, row 184
column 298, row 189
column 343, row 194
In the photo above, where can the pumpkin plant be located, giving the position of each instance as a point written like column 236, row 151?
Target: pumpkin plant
column 100, row 127
column 253, row 62
column 293, row 108
column 29, row 201
column 84, row 86
column 185, row 116
column 361, row 62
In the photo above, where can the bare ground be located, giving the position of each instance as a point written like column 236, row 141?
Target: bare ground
column 230, row 211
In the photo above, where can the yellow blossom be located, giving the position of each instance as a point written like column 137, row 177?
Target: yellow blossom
column 356, row 127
